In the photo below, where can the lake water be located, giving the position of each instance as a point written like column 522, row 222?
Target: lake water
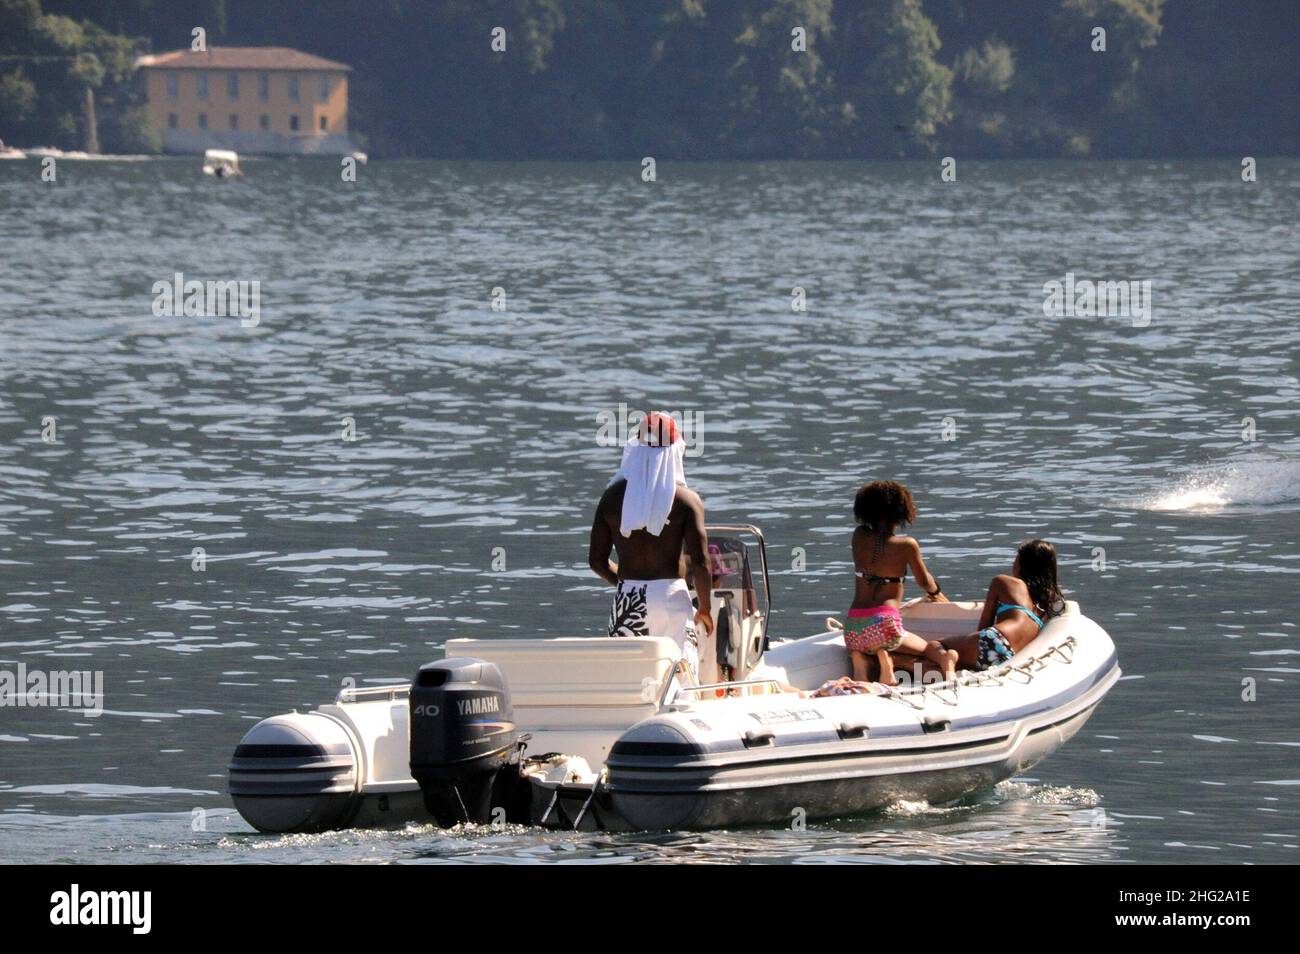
column 1173, row 444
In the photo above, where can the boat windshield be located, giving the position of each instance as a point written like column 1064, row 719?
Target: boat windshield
column 731, row 570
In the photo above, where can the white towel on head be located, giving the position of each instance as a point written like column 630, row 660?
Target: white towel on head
column 652, row 475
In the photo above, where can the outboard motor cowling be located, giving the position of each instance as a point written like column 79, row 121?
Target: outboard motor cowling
column 462, row 737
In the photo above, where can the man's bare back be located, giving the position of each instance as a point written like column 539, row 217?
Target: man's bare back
column 643, row 556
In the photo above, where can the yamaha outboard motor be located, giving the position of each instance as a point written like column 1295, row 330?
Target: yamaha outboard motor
column 464, row 747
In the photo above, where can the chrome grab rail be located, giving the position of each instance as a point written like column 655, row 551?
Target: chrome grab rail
column 731, row 685
column 667, row 685
column 373, row 692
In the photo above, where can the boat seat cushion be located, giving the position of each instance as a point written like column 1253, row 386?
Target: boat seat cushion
column 581, row 681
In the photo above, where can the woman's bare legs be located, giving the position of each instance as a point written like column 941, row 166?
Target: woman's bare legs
column 933, row 650
column 859, row 666
column 967, row 648
column 886, row 669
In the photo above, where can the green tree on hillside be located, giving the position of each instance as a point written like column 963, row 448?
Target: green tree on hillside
column 60, row 74
column 711, row 78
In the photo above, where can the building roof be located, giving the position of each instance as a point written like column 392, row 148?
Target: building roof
column 240, row 58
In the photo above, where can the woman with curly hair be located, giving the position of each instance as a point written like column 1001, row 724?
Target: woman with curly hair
column 881, row 560
column 1017, row 606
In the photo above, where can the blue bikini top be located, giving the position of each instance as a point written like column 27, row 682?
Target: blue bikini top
column 1016, row 606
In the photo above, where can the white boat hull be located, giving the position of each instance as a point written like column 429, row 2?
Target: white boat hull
column 768, row 758
column 703, row 766
column 829, row 781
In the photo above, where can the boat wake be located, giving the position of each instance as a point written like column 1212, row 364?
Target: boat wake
column 1241, row 484
column 1016, row 790
column 1012, row 790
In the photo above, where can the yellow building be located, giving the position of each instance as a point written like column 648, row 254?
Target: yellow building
column 252, row 99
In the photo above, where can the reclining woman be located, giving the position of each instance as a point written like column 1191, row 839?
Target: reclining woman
column 1016, row 607
column 881, row 560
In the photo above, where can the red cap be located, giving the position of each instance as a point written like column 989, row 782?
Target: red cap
column 659, row 430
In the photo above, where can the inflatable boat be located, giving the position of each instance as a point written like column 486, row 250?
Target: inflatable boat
column 610, row 734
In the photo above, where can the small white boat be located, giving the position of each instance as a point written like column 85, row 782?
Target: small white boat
column 9, row 152
column 221, row 163
column 600, row 733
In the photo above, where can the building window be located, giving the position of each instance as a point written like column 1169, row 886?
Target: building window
column 293, row 122
column 201, row 85
column 173, row 86
column 324, row 87
column 293, row 88
column 264, row 121
column 232, row 86
column 324, row 124
column 172, row 122
column 263, row 87
column 234, row 120
column 203, row 120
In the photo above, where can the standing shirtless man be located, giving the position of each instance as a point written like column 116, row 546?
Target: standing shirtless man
column 649, row 516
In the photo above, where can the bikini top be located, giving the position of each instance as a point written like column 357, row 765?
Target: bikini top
column 877, row 580
column 1016, row 606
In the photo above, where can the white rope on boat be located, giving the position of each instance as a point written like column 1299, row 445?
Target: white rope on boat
column 1021, row 670
column 1063, row 650
column 937, row 692
column 1024, row 670
column 892, row 692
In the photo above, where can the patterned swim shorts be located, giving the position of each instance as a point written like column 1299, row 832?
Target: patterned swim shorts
column 879, row 629
column 994, row 649
column 657, row 608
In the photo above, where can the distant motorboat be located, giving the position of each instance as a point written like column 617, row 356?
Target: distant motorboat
column 360, row 157
column 9, row 152
column 54, row 152
column 221, row 163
